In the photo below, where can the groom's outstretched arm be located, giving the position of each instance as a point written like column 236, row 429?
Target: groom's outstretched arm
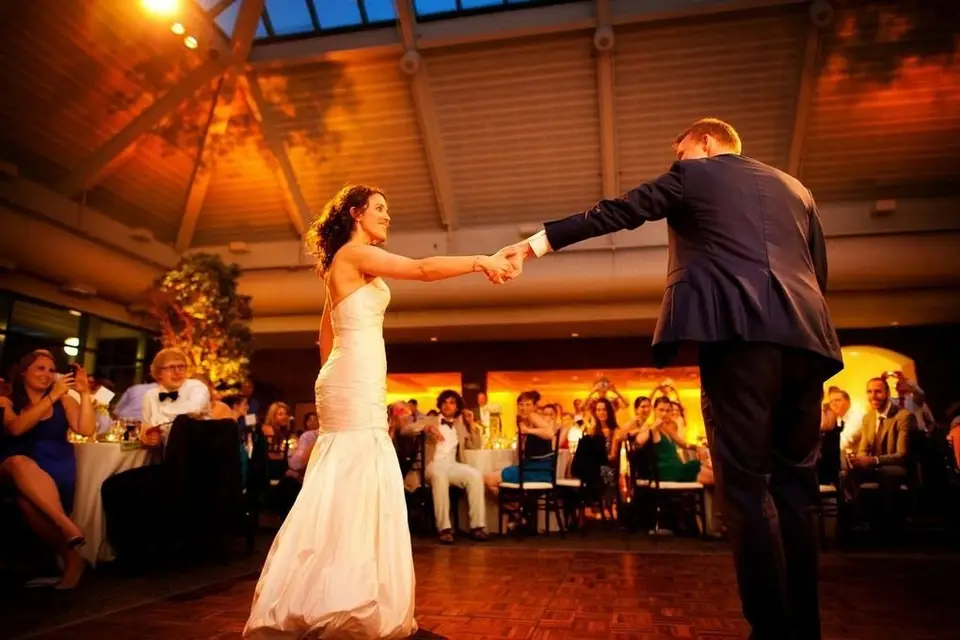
column 650, row 201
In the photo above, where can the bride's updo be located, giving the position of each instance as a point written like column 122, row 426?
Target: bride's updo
column 333, row 227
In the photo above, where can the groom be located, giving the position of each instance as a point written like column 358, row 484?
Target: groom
column 745, row 281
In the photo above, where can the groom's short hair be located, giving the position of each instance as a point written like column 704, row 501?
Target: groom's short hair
column 723, row 132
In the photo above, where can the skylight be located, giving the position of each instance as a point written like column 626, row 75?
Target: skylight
column 298, row 18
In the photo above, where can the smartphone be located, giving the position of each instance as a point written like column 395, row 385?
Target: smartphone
column 72, row 368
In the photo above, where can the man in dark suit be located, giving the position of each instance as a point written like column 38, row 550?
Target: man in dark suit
column 745, row 281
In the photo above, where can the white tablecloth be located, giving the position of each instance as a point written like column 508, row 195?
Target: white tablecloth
column 97, row 461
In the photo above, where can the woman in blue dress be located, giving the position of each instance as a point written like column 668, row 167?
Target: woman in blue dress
column 539, row 433
column 37, row 460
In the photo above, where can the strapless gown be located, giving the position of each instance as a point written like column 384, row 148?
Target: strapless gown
column 341, row 565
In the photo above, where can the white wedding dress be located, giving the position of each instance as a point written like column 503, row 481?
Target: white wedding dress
column 341, row 565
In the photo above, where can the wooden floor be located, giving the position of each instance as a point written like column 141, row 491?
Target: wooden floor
column 473, row 592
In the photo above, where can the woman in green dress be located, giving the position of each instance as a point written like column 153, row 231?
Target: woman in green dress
column 668, row 444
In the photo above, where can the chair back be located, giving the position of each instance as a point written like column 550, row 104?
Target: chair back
column 643, row 463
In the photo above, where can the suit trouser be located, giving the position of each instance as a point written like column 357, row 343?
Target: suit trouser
column 441, row 475
column 761, row 408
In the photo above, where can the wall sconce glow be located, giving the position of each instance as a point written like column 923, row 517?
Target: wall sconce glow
column 191, row 42
column 161, row 7
column 178, row 28
column 70, row 347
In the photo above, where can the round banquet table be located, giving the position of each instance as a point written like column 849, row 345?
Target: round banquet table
column 97, row 461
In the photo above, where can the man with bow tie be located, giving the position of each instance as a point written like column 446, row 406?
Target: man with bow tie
column 447, row 437
column 176, row 394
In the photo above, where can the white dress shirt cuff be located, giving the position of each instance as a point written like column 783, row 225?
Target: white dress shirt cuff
column 539, row 244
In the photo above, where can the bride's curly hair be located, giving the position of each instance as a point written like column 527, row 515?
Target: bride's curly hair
column 333, row 227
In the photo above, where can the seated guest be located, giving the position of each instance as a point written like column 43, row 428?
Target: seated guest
column 538, row 433
column 130, row 405
column 447, row 438
column 664, row 435
column 297, row 463
column 828, row 462
column 276, row 425
column 176, row 394
column 597, row 460
column 289, row 487
column 36, row 458
column 882, row 456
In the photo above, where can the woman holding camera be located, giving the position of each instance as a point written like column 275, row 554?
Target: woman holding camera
column 36, row 457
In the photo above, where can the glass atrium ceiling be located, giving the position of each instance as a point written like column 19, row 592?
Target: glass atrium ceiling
column 304, row 18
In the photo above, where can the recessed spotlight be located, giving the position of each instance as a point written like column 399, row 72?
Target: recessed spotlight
column 74, row 312
column 191, row 42
column 574, row 335
column 576, row 377
column 178, row 28
column 536, row 379
column 161, row 7
column 433, row 338
column 894, row 324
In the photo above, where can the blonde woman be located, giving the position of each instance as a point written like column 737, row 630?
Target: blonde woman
column 276, row 425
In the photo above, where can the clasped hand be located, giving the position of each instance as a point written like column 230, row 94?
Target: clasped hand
column 506, row 264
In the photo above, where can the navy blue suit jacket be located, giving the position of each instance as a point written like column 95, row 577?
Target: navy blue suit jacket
column 747, row 262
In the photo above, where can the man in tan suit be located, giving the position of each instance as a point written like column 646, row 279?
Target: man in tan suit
column 883, row 454
column 447, row 437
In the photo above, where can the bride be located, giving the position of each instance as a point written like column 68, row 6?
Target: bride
column 341, row 565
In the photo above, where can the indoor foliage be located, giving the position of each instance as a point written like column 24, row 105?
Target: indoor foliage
column 202, row 314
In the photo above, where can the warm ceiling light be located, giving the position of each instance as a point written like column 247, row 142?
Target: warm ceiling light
column 574, row 335
column 191, row 42
column 433, row 338
column 161, row 7
column 178, row 28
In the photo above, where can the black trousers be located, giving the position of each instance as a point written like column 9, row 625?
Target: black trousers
column 761, row 408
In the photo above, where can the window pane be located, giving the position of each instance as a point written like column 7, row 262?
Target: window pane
column 208, row 4
column 17, row 345
column 380, row 10
column 338, row 13
column 228, row 19
column 6, row 301
column 430, row 7
column 476, row 4
column 261, row 30
column 43, row 321
column 289, row 17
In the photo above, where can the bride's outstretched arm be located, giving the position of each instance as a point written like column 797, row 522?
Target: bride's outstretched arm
column 326, row 330
column 377, row 262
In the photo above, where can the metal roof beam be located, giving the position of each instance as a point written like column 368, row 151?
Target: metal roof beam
column 85, row 176
column 503, row 25
column 296, row 204
column 801, row 115
column 603, row 42
column 415, row 66
column 220, row 111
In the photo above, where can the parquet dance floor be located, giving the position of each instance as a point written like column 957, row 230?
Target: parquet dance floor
column 474, row 592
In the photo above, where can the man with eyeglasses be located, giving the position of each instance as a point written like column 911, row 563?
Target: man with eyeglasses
column 175, row 395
